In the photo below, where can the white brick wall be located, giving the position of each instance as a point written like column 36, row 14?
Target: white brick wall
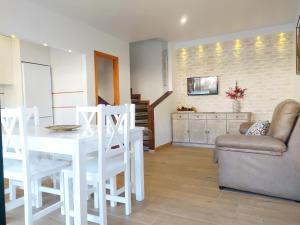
column 264, row 65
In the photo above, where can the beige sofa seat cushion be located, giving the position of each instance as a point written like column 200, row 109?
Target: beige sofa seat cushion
column 251, row 144
column 284, row 119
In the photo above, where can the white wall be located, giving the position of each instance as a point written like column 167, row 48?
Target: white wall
column 266, row 67
column 34, row 53
column 105, row 80
column 146, row 58
column 67, row 84
column 34, row 23
column 162, row 123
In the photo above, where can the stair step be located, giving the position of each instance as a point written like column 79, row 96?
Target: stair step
column 136, row 96
column 141, row 114
column 141, row 118
column 142, row 124
column 141, row 121
column 142, row 103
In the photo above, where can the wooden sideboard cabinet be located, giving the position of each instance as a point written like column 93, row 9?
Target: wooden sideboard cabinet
column 204, row 128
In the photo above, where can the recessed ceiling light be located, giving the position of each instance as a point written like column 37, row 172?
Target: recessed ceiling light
column 45, row 44
column 183, row 20
column 13, row 36
column 69, row 50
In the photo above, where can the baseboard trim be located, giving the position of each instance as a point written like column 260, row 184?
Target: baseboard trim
column 163, row 146
column 194, row 145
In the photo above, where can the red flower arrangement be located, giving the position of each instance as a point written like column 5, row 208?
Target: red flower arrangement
column 236, row 93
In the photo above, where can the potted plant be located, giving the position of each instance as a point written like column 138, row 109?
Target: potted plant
column 236, row 94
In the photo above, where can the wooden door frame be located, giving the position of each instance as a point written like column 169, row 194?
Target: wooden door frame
column 115, row 62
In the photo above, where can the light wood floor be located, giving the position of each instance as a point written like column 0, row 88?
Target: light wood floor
column 181, row 189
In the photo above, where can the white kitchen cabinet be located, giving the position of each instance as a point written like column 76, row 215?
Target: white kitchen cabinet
column 197, row 131
column 6, row 60
column 180, row 128
column 215, row 128
column 204, row 128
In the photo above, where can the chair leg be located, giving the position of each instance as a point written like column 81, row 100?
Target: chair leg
column 132, row 165
column 38, row 194
column 67, row 199
column 127, row 190
column 102, row 203
column 113, row 189
column 12, row 191
column 62, row 194
column 28, row 217
column 96, row 196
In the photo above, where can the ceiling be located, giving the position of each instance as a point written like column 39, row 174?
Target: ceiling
column 135, row 20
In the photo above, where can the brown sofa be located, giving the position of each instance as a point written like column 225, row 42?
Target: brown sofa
column 269, row 164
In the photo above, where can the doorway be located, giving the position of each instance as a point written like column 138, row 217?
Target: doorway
column 106, row 78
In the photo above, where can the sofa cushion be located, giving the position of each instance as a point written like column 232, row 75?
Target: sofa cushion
column 284, row 118
column 259, row 128
column 251, row 144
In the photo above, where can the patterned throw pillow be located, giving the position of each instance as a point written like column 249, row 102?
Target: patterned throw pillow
column 259, row 128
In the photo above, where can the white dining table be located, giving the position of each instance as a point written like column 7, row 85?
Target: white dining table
column 78, row 144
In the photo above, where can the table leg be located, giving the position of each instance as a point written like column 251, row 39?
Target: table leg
column 139, row 167
column 79, row 187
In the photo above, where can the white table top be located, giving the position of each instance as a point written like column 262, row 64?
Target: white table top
column 44, row 140
column 81, row 133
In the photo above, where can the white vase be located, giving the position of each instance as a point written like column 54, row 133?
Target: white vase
column 236, row 106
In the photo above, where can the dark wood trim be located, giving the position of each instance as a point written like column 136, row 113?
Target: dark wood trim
column 151, row 118
column 39, row 64
column 160, row 99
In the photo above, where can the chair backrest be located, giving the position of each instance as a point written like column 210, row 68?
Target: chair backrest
column 113, row 131
column 132, row 116
column 32, row 114
column 13, row 121
column 86, row 114
column 284, row 118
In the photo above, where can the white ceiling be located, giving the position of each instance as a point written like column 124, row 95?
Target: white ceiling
column 135, row 20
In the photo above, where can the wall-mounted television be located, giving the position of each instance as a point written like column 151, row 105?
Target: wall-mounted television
column 202, row 85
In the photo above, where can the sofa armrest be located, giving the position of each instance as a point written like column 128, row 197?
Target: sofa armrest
column 251, row 144
column 244, row 127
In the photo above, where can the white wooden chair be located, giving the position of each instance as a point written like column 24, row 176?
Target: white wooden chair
column 113, row 159
column 18, row 166
column 86, row 116
column 31, row 116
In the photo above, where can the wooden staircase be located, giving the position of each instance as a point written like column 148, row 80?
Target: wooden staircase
column 142, row 117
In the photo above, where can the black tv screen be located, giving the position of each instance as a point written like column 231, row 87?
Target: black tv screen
column 202, row 85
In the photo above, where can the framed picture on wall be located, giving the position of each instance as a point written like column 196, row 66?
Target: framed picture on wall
column 202, row 86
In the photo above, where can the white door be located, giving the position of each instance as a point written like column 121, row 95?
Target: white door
column 197, row 132
column 215, row 128
column 37, row 90
column 180, row 130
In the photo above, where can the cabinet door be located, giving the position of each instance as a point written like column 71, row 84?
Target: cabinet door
column 180, row 130
column 215, row 128
column 233, row 126
column 6, row 60
column 197, row 131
